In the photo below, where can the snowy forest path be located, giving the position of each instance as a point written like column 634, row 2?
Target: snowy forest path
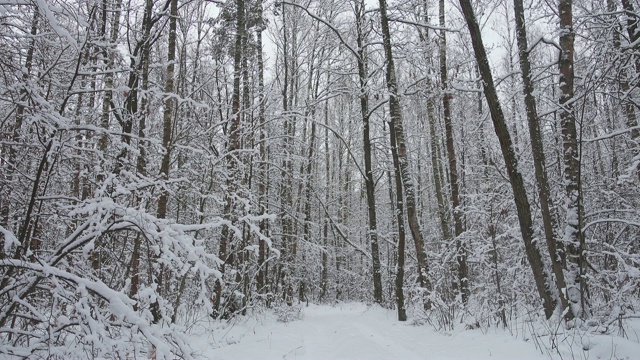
column 358, row 331
column 348, row 333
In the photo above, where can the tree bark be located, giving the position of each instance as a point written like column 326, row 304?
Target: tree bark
column 5, row 201
column 324, row 276
column 167, row 125
column 403, row 159
column 263, row 167
column 461, row 256
column 233, row 144
column 109, row 59
column 634, row 35
column 286, row 191
column 511, row 162
column 632, row 28
column 369, row 181
column 399, row 211
column 554, row 244
column 167, row 116
column 573, row 236
column 436, row 166
column 141, row 161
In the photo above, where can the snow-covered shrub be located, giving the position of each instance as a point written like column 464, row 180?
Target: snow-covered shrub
column 89, row 265
column 56, row 305
column 231, row 303
column 286, row 313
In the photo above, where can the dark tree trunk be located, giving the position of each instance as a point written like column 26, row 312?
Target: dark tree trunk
column 324, row 276
column 263, row 168
column 286, row 191
column 369, row 181
column 399, row 211
column 632, row 28
column 554, row 244
column 436, row 166
column 141, row 161
column 15, row 135
column 573, row 196
column 511, row 162
column 634, row 35
column 233, row 144
column 403, row 159
column 167, row 117
column 167, row 125
column 461, row 257
column 109, row 59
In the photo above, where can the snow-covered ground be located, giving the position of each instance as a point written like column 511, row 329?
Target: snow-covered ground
column 358, row 331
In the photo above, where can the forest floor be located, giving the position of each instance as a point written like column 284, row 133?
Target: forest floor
column 358, row 331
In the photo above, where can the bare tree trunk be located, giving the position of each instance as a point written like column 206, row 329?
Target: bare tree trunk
column 496, row 271
column 167, row 126
column 399, row 211
column 436, row 166
column 109, row 58
column 511, row 162
column 233, row 144
column 369, row 181
column 5, row 201
column 573, row 236
column 248, row 140
column 286, row 191
column 141, row 162
column 343, row 180
column 263, row 168
column 632, row 28
column 309, row 170
column 634, row 35
column 324, row 276
column 461, row 257
column 167, row 116
column 77, row 184
column 436, row 161
column 554, row 244
column 403, row 159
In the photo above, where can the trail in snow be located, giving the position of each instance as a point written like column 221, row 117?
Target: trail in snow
column 355, row 331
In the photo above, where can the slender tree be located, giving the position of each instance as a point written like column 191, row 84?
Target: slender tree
column 369, row 180
column 14, row 135
column 233, row 145
column 554, row 244
column 511, row 162
column 403, row 158
column 573, row 195
column 141, row 113
column 167, row 127
column 626, row 74
column 461, row 256
column 263, row 166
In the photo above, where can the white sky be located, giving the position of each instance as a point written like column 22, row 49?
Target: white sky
column 493, row 24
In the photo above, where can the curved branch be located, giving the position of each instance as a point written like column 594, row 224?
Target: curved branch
column 329, row 25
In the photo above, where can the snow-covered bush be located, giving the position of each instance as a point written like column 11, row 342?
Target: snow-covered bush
column 286, row 313
column 57, row 304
